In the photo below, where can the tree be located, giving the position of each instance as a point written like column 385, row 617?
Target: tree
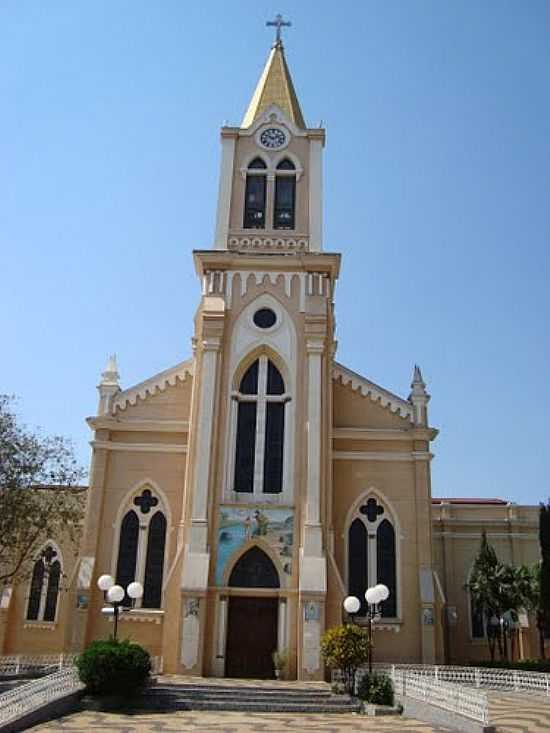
column 346, row 648
column 40, row 498
column 499, row 592
column 543, row 616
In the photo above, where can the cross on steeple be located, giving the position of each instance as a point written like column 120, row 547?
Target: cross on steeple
column 278, row 23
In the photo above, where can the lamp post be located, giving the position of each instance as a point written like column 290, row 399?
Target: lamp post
column 374, row 597
column 114, row 594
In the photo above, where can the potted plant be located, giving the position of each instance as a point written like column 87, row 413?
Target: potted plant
column 280, row 662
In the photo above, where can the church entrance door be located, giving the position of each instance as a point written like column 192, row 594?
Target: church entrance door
column 251, row 637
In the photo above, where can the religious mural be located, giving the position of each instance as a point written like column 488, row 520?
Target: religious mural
column 239, row 525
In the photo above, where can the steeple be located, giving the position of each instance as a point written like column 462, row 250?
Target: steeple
column 419, row 397
column 109, row 386
column 275, row 87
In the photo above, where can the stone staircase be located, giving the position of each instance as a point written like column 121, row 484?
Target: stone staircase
column 248, row 696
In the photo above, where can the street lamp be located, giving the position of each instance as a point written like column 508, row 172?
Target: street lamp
column 352, row 604
column 114, row 594
column 374, row 596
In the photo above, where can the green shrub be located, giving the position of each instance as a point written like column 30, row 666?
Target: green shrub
column 527, row 665
column 113, row 667
column 345, row 648
column 376, row 689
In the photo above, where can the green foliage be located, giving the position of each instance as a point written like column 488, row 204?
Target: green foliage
column 527, row 665
column 376, row 688
column 113, row 667
column 500, row 591
column 544, row 601
column 39, row 495
column 345, row 648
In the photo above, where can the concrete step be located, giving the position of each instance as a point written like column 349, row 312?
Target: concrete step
column 258, row 706
column 171, row 697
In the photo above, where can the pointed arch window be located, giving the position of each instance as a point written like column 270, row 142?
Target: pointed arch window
column 284, row 212
column 255, row 195
column 141, row 548
column 254, row 569
column 44, row 586
column 372, row 555
column 259, row 449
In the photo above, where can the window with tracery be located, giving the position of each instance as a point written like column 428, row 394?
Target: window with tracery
column 44, row 586
column 141, row 548
column 255, row 195
column 284, row 212
column 260, row 429
column 372, row 555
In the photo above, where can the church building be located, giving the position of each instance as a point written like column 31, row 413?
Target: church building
column 253, row 486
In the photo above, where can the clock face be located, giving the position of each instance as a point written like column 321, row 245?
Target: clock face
column 273, row 138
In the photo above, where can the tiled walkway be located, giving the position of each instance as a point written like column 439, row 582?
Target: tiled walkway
column 519, row 713
column 231, row 723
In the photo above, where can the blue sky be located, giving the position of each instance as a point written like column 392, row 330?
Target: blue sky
column 437, row 181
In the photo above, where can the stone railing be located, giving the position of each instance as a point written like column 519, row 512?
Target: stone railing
column 16, row 664
column 453, row 698
column 478, row 677
column 26, row 699
column 39, row 664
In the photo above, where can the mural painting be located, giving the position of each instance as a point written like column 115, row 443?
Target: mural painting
column 240, row 525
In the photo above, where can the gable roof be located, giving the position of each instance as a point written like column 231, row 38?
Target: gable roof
column 156, row 383
column 378, row 394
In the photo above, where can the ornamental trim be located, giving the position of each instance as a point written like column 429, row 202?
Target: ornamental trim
column 157, row 383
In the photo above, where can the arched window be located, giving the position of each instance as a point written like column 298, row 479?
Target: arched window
column 154, row 564
column 44, row 586
column 260, row 429
column 254, row 569
column 141, row 548
column 127, row 550
column 358, row 562
column 385, row 564
column 285, row 195
column 372, row 556
column 255, row 195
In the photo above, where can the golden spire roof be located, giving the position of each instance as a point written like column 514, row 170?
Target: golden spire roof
column 275, row 87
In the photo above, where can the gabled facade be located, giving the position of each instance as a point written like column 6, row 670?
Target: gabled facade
column 253, row 486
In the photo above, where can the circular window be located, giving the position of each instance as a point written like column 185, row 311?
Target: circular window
column 264, row 318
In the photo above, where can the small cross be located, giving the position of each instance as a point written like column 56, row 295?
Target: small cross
column 49, row 554
column 279, row 23
column 372, row 509
column 146, row 501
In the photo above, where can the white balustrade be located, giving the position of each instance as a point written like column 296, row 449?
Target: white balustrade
column 31, row 696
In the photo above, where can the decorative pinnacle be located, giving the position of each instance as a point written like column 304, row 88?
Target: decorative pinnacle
column 110, row 375
column 418, row 385
column 278, row 23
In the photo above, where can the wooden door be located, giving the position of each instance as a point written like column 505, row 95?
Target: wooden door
column 251, row 637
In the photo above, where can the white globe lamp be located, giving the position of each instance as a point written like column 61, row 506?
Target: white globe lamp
column 135, row 590
column 352, row 605
column 115, row 594
column 384, row 591
column 104, row 582
column 372, row 596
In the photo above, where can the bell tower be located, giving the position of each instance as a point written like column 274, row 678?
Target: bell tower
column 259, row 475
column 270, row 193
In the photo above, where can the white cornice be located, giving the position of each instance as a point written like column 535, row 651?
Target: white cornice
column 139, row 447
column 140, row 425
column 156, row 383
column 369, row 389
column 358, row 455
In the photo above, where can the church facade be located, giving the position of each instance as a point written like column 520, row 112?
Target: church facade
column 253, row 486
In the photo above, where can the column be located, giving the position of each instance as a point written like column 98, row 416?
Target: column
column 315, row 196
column 224, row 192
